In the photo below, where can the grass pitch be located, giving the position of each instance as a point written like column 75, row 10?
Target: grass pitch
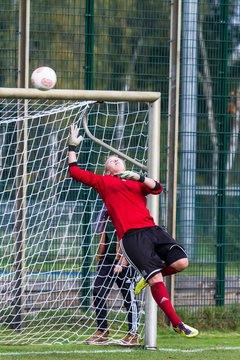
column 209, row 345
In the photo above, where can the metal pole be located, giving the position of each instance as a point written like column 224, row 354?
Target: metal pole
column 222, row 141
column 81, row 95
column 173, row 120
column 21, row 180
column 89, row 47
column 188, row 124
column 150, row 341
column 110, row 148
column 88, row 84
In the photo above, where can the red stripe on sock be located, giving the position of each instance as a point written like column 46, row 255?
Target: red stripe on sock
column 160, row 295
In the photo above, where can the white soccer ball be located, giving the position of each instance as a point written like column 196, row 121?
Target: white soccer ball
column 44, row 78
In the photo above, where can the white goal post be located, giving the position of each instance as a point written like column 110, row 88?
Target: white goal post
column 48, row 245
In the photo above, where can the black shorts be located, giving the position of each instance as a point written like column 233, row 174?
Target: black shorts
column 150, row 249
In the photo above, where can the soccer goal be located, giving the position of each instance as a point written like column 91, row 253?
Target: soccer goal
column 47, row 233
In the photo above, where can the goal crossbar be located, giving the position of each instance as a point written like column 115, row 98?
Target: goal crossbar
column 96, row 95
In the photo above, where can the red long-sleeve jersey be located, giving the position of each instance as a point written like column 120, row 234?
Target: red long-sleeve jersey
column 125, row 200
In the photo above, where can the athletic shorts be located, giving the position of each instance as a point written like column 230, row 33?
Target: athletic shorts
column 150, row 249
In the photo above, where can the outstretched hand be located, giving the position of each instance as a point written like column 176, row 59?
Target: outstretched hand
column 74, row 139
column 130, row 175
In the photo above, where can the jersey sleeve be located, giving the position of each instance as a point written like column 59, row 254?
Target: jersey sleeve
column 148, row 191
column 84, row 176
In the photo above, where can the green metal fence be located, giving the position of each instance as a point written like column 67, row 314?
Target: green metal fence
column 125, row 45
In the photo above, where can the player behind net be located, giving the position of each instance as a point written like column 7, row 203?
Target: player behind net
column 108, row 273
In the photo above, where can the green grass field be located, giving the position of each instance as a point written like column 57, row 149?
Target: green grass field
column 207, row 346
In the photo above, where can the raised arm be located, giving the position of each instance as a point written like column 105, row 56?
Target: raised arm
column 84, row 176
column 73, row 141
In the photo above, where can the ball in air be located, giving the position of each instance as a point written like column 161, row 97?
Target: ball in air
column 44, row 78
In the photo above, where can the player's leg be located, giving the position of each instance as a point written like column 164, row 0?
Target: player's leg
column 176, row 261
column 102, row 286
column 166, row 271
column 160, row 295
column 139, row 248
column 125, row 282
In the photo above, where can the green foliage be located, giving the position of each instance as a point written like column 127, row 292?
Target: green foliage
column 225, row 318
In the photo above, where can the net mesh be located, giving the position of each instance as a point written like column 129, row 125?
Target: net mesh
column 47, row 233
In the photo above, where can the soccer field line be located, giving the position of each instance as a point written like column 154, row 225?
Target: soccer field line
column 197, row 350
column 214, row 348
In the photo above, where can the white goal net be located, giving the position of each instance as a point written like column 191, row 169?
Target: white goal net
column 48, row 233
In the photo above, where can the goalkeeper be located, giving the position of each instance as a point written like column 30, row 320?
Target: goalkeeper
column 109, row 272
column 147, row 247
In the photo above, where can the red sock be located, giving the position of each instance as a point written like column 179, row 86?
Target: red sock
column 160, row 295
column 168, row 270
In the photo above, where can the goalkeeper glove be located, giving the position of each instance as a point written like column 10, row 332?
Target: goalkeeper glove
column 130, row 175
column 74, row 140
